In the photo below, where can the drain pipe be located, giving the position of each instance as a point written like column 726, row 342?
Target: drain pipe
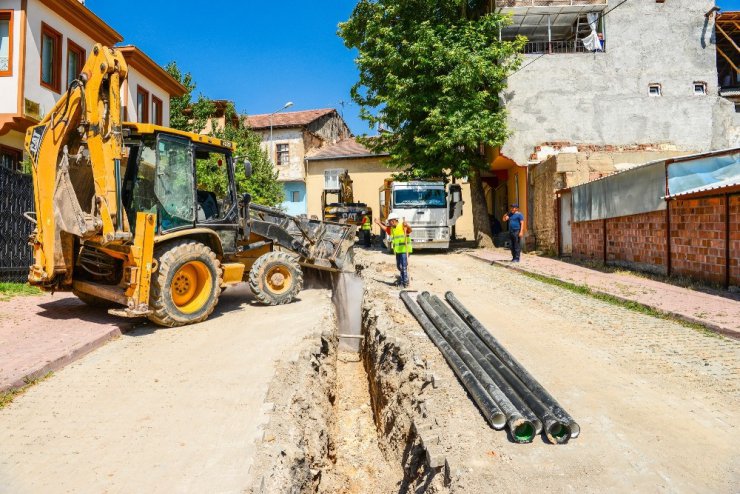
column 522, row 430
column 556, row 431
column 517, row 368
column 486, row 405
column 463, row 334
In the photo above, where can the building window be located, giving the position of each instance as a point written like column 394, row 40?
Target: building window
column 75, row 61
column 11, row 158
column 295, row 196
column 156, row 110
column 655, row 90
column 283, row 154
column 51, row 58
column 6, row 42
column 700, row 88
column 142, row 105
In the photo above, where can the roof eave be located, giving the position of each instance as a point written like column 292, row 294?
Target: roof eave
column 85, row 20
column 150, row 69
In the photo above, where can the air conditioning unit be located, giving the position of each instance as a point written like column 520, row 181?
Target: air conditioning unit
column 331, row 178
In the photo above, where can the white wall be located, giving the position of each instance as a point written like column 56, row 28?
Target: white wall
column 135, row 79
column 36, row 14
column 9, row 85
column 294, row 138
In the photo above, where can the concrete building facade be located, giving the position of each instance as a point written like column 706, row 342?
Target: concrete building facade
column 43, row 46
column 288, row 138
column 649, row 87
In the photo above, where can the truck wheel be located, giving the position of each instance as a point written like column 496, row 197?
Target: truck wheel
column 186, row 286
column 276, row 278
column 94, row 301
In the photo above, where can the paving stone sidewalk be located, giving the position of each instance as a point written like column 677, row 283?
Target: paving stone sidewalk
column 716, row 310
column 43, row 333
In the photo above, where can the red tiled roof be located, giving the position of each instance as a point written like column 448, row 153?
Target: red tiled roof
column 344, row 149
column 287, row 119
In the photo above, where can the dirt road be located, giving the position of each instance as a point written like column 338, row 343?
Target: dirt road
column 159, row 410
column 658, row 403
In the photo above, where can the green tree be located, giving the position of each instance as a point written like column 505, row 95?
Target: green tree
column 433, row 71
column 193, row 116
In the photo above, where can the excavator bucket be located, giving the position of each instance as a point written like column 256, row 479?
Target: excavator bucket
column 319, row 244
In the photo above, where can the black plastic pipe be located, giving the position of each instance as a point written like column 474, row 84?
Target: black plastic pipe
column 556, row 431
column 486, row 405
column 522, row 373
column 522, row 430
column 479, row 351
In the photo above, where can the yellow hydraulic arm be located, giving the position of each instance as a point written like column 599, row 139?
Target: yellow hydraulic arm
column 87, row 117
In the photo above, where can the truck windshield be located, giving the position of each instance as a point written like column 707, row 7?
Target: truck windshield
column 419, row 197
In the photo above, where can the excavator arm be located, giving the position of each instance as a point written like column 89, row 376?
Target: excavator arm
column 75, row 154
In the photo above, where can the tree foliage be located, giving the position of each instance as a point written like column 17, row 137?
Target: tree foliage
column 433, row 72
column 193, row 116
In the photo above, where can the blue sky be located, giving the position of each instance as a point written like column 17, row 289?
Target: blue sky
column 252, row 53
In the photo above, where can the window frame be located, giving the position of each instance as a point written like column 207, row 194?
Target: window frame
column 56, row 67
column 295, row 196
column 703, row 85
column 73, row 47
column 144, row 105
column 278, row 154
column 655, row 85
column 157, row 110
column 8, row 14
column 19, row 156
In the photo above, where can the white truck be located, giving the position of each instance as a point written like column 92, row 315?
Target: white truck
column 430, row 207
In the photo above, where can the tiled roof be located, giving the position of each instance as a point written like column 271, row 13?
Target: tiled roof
column 344, row 149
column 286, row 119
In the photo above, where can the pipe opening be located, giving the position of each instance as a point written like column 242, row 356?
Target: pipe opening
column 499, row 421
column 523, row 433
column 558, row 433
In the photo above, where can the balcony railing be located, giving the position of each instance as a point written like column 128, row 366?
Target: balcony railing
column 547, row 3
column 539, row 47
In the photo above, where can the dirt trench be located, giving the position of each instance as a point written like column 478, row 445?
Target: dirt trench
column 346, row 422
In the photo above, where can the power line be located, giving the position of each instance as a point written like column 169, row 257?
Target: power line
column 542, row 55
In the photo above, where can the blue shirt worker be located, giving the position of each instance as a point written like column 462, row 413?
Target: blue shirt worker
column 401, row 243
column 516, row 231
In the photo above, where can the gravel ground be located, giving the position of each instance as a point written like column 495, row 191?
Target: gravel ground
column 657, row 402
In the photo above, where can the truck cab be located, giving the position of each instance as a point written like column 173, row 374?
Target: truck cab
column 431, row 208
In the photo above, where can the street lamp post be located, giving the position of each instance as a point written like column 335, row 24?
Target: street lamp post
column 286, row 105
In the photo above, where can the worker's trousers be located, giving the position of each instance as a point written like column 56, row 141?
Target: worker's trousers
column 516, row 244
column 402, row 263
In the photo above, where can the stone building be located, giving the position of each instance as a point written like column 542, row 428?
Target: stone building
column 289, row 137
column 606, row 85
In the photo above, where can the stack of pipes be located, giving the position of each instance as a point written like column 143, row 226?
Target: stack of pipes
column 505, row 392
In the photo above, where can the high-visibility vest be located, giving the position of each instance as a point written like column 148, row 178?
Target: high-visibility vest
column 400, row 241
column 366, row 225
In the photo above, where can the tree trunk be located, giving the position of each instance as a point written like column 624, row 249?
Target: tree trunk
column 481, row 223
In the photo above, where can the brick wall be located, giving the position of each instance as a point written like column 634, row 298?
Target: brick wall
column 638, row 241
column 588, row 240
column 698, row 238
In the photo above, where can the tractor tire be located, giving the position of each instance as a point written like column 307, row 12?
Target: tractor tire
column 276, row 278
column 93, row 301
column 187, row 284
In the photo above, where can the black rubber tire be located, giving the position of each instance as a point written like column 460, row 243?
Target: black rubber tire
column 171, row 258
column 258, row 278
column 94, row 301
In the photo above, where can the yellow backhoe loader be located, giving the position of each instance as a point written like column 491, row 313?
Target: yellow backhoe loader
column 121, row 221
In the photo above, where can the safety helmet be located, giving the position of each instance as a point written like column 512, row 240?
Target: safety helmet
column 393, row 216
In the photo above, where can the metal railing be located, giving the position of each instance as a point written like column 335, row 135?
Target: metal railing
column 16, row 199
column 548, row 3
column 557, row 47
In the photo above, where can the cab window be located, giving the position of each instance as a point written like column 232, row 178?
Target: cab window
column 214, row 192
column 174, row 184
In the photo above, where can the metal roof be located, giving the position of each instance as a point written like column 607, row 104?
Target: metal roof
column 716, row 187
column 530, row 19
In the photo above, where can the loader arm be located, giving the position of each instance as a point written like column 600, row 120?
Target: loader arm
column 87, row 119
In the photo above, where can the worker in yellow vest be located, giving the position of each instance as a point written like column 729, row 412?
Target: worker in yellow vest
column 401, row 242
column 365, row 229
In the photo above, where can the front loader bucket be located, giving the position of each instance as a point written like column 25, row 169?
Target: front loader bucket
column 319, row 244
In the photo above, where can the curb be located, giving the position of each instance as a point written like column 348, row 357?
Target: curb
column 675, row 315
column 62, row 361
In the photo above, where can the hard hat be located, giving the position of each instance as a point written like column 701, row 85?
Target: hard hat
column 393, row 216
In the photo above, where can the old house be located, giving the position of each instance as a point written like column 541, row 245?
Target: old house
column 605, row 85
column 288, row 138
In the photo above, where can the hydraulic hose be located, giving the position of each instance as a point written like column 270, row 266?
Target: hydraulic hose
column 522, row 430
column 556, row 431
column 479, row 351
column 486, row 405
column 524, row 376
